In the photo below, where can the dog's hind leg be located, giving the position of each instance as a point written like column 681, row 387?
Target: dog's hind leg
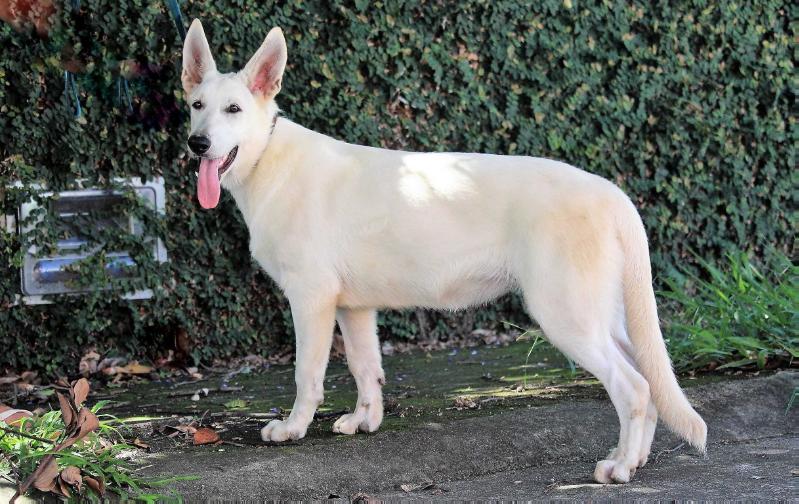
column 628, row 390
column 650, row 423
column 359, row 329
column 574, row 294
column 651, row 418
column 313, row 325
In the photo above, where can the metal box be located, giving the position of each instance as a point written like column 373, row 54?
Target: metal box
column 44, row 274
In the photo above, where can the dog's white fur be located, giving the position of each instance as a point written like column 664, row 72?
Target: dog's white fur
column 346, row 229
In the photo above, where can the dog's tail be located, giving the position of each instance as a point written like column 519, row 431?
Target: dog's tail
column 644, row 331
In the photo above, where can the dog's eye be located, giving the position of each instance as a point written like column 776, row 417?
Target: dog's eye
column 232, row 109
column 197, row 105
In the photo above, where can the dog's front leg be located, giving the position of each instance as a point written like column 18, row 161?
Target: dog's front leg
column 359, row 329
column 313, row 326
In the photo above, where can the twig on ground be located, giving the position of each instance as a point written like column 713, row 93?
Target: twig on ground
column 209, row 390
column 663, row 452
column 245, row 414
column 180, row 384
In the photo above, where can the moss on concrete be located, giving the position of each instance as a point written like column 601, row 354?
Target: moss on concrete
column 421, row 387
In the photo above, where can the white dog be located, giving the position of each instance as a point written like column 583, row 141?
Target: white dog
column 346, row 229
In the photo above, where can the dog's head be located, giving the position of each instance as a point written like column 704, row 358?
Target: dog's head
column 231, row 114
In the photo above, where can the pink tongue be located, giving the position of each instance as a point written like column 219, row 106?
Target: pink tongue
column 208, row 188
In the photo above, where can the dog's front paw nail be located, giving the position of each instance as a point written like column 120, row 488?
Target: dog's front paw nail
column 612, row 471
column 347, row 424
column 365, row 419
column 621, row 473
column 374, row 417
column 603, row 470
column 280, row 430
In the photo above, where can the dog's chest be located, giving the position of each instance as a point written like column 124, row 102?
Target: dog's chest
column 273, row 258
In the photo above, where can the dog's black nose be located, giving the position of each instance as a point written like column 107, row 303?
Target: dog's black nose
column 199, row 144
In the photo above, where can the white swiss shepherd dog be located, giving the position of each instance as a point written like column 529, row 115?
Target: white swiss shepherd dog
column 346, row 230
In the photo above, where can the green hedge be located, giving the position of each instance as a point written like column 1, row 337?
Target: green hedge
column 686, row 107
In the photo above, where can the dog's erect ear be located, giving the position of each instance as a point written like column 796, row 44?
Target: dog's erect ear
column 264, row 72
column 197, row 59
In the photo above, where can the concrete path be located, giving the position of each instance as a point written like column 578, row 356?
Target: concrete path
column 527, row 451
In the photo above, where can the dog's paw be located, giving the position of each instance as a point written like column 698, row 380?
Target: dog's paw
column 282, row 430
column 365, row 419
column 612, row 471
column 347, row 424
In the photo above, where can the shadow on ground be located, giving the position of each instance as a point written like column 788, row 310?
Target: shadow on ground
column 420, row 387
column 488, row 422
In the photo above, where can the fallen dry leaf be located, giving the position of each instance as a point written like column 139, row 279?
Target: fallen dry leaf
column 7, row 380
column 25, row 387
column 95, row 484
column 29, row 376
column 86, row 423
column 62, row 487
column 205, row 435
column 110, row 362
column 136, row 368
column 67, row 411
column 133, row 368
column 412, row 487
column 282, row 357
column 104, row 443
column 255, row 360
column 71, row 475
column 47, row 474
column 138, row 443
column 80, row 391
column 194, row 374
column 178, row 429
column 464, row 402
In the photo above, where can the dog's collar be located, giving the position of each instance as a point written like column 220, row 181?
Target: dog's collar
column 271, row 131
column 274, row 122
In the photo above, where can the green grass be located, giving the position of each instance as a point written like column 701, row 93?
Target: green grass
column 794, row 395
column 99, row 455
column 734, row 315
